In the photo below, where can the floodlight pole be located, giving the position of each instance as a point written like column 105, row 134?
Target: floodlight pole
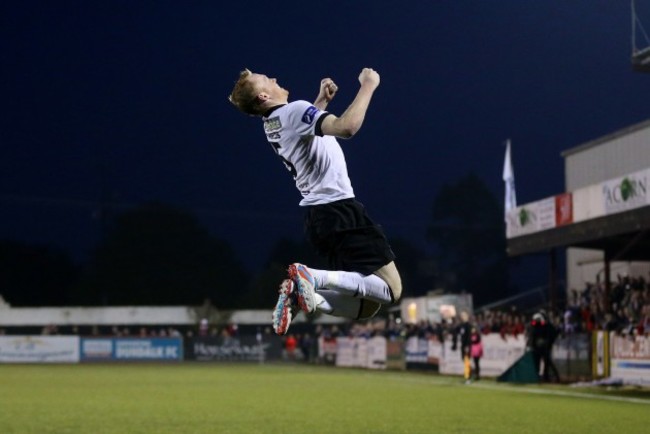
column 608, row 280
column 633, row 15
column 640, row 58
column 552, row 279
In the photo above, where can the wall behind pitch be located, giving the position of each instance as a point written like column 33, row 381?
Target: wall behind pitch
column 39, row 349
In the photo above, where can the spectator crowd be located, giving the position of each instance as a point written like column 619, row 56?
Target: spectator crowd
column 625, row 309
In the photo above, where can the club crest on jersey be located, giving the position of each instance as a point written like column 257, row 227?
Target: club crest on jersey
column 272, row 124
column 309, row 115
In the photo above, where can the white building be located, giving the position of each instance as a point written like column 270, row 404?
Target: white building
column 602, row 218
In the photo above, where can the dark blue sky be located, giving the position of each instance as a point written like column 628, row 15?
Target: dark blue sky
column 129, row 98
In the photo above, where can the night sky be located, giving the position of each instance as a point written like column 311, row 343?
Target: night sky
column 127, row 101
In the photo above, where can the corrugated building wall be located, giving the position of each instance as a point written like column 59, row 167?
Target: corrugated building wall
column 623, row 152
column 612, row 156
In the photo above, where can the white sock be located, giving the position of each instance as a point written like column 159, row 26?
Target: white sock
column 337, row 304
column 353, row 284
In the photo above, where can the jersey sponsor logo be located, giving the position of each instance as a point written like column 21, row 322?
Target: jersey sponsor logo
column 272, row 124
column 309, row 115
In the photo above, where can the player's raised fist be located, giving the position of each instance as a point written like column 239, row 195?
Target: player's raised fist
column 328, row 89
column 369, row 76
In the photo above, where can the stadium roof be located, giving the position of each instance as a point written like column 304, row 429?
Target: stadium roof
column 623, row 236
column 606, row 138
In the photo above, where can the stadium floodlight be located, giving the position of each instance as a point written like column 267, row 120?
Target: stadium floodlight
column 640, row 57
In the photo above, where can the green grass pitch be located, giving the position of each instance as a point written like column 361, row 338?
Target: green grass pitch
column 286, row 398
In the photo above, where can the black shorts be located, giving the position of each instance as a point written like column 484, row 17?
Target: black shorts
column 343, row 232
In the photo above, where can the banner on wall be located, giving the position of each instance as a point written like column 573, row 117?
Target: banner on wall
column 245, row 348
column 612, row 196
column 131, row 349
column 39, row 349
column 423, row 353
column 416, row 354
column 599, row 358
column 358, row 352
column 351, row 352
column 563, row 209
column 377, row 353
column 499, row 353
column 630, row 358
column 327, row 350
column 628, row 192
column 531, row 217
column 395, row 354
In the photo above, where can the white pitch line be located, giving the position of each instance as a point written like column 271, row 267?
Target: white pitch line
column 562, row 393
column 529, row 390
column 403, row 377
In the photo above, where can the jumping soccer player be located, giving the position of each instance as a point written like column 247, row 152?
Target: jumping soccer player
column 304, row 136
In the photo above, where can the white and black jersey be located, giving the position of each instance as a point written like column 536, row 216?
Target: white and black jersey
column 316, row 162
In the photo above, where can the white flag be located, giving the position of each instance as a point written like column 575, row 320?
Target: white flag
column 509, row 178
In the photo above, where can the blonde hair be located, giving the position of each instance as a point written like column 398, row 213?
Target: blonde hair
column 244, row 96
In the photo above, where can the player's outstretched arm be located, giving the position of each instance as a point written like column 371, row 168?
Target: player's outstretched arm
column 351, row 120
column 326, row 93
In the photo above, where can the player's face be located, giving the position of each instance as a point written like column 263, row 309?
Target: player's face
column 270, row 86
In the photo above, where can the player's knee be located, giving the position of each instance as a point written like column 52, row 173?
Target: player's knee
column 389, row 274
column 369, row 309
column 396, row 290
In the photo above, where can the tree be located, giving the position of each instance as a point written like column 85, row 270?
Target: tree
column 263, row 290
column 411, row 262
column 415, row 268
column 35, row 275
column 160, row 255
column 468, row 232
